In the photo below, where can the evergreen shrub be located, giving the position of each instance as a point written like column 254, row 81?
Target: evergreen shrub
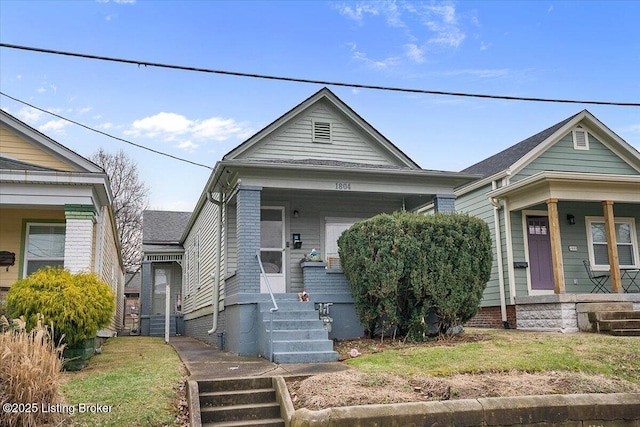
column 77, row 305
column 416, row 274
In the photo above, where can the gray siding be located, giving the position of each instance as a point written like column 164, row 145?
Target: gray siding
column 563, row 157
column 294, row 141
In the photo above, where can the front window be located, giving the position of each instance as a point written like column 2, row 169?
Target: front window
column 625, row 238
column 334, row 227
column 44, row 247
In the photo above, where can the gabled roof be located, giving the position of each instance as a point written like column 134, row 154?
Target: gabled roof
column 48, row 145
column 329, row 96
column 504, row 159
column 163, row 227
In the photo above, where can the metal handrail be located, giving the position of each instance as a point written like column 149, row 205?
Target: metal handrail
column 273, row 309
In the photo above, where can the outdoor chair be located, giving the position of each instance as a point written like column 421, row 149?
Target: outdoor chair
column 599, row 280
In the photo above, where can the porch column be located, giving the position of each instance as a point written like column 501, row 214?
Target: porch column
column 556, row 247
column 612, row 246
column 78, row 242
column 248, row 235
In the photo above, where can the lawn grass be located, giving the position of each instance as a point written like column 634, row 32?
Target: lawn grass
column 136, row 376
column 504, row 351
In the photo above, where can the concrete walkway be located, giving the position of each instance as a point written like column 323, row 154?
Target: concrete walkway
column 207, row 363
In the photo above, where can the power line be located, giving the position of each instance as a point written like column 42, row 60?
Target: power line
column 312, row 81
column 107, row 134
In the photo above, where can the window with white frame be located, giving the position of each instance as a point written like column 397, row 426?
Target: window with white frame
column 334, row 227
column 580, row 138
column 626, row 241
column 44, row 247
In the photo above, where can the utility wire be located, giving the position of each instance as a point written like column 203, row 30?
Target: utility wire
column 106, row 134
column 312, row 81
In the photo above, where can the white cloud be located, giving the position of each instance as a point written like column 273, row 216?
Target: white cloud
column 29, row 115
column 105, row 126
column 486, row 73
column 56, row 126
column 172, row 127
column 41, row 90
column 413, row 52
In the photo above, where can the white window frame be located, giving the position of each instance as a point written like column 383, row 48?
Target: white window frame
column 575, row 139
column 26, row 243
column 618, row 220
column 313, row 131
column 331, row 257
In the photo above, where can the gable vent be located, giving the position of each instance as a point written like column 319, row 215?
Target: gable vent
column 322, row 132
column 580, row 139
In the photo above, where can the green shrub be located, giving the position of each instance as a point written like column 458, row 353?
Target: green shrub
column 76, row 304
column 405, row 269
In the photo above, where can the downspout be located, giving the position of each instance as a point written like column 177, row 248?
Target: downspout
column 216, row 274
column 496, row 222
column 507, row 228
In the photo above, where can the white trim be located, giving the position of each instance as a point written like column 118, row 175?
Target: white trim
column 284, row 267
column 617, row 220
column 498, row 239
column 525, row 237
column 585, row 141
column 509, row 236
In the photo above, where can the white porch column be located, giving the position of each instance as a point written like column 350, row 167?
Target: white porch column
column 79, row 238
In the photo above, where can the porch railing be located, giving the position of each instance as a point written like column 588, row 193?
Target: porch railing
column 272, row 309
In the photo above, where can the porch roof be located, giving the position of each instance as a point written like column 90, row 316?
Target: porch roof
column 590, row 187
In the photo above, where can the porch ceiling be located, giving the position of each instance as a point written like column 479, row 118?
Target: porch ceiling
column 572, row 186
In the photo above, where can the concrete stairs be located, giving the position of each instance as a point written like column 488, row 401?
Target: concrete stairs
column 619, row 323
column 298, row 333
column 156, row 326
column 247, row 402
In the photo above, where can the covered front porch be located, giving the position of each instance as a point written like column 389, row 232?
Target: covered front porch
column 571, row 239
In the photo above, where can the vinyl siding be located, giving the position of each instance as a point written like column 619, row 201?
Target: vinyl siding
column 11, row 145
column 294, row 141
column 201, row 285
column 477, row 204
column 110, row 270
column 563, row 157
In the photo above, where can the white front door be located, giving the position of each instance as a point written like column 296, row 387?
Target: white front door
column 272, row 249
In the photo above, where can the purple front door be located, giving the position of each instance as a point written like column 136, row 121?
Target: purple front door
column 540, row 265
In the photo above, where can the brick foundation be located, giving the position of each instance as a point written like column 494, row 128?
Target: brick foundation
column 491, row 317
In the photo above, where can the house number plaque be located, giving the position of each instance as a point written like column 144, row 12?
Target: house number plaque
column 343, row 186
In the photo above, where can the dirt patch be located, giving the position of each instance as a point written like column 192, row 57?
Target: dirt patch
column 351, row 387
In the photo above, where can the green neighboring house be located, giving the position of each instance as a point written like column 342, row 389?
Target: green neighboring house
column 566, row 195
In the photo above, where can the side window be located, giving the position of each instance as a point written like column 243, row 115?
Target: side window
column 44, row 247
column 625, row 238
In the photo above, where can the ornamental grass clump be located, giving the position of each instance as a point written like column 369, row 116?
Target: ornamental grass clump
column 30, row 366
column 416, row 275
column 78, row 305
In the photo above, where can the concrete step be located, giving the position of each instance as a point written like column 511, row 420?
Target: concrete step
column 608, row 325
column 249, row 383
column 299, row 334
column 305, row 357
column 274, row 422
column 287, row 306
column 625, row 332
column 302, row 345
column 254, row 411
column 614, row 315
column 285, row 324
column 237, row 397
column 584, row 307
column 291, row 315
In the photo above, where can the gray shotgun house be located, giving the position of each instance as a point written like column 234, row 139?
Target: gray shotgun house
column 241, row 262
column 564, row 208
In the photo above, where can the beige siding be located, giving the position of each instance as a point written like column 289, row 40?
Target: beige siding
column 294, row 141
column 12, row 230
column 11, row 145
column 110, row 271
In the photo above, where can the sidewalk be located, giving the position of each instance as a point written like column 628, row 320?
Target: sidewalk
column 207, row 363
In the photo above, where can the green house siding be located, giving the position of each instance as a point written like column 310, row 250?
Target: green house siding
column 563, row 157
column 477, row 204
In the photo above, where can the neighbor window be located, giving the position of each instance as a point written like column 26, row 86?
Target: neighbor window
column 44, row 247
column 626, row 240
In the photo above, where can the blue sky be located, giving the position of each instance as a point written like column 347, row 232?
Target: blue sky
column 567, row 50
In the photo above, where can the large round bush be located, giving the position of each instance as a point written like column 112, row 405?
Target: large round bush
column 416, row 274
column 76, row 304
